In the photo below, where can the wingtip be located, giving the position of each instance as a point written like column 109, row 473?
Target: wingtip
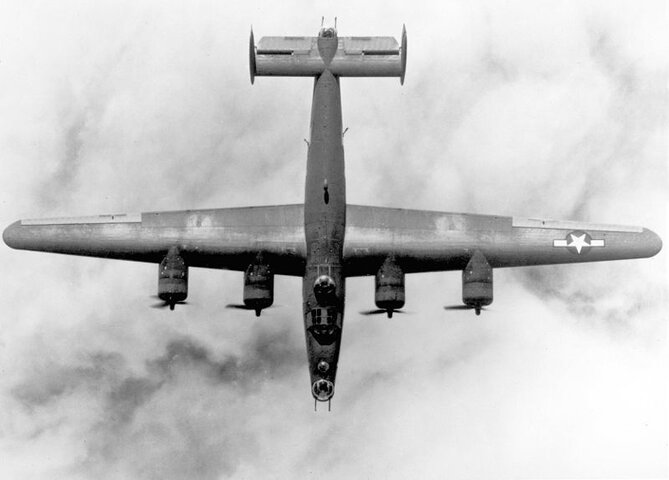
column 11, row 234
column 653, row 242
column 252, row 57
column 404, row 54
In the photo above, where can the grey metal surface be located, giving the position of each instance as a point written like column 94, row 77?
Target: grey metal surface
column 353, row 57
column 228, row 238
column 422, row 241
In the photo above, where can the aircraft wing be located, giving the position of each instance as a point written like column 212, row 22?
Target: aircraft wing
column 421, row 241
column 227, row 238
column 425, row 241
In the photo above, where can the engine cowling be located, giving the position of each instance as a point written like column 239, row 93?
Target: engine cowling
column 173, row 279
column 477, row 282
column 389, row 288
column 258, row 287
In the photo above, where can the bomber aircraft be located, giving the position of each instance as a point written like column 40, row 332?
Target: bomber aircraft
column 325, row 240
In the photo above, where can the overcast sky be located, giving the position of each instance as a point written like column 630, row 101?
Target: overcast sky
column 529, row 108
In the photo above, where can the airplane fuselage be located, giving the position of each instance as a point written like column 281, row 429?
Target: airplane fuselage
column 324, row 226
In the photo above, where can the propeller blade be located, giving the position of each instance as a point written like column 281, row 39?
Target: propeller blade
column 164, row 304
column 380, row 311
column 465, row 307
column 167, row 304
column 239, row 306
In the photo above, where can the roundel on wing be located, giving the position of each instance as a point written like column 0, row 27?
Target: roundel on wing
column 578, row 242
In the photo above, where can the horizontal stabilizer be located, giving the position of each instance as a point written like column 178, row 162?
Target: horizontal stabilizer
column 342, row 56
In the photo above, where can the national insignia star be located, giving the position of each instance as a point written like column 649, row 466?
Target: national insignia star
column 578, row 242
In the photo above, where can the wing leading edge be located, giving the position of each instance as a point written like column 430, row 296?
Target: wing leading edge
column 228, row 238
column 425, row 241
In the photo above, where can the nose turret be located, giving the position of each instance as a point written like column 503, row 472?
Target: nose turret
column 328, row 33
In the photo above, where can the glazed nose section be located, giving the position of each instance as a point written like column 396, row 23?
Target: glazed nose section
column 322, row 390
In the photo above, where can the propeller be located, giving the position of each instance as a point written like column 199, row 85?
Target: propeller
column 241, row 306
column 164, row 303
column 168, row 304
column 466, row 307
column 379, row 311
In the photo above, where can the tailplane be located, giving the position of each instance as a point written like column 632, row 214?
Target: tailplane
column 342, row 56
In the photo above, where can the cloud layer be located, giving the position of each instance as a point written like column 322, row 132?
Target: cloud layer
column 531, row 109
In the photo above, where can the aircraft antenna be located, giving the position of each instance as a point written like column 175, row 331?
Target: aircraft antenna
column 322, row 21
column 335, row 23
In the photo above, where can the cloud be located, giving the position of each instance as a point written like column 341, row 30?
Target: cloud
column 532, row 109
column 186, row 381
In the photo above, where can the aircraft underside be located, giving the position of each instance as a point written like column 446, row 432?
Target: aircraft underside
column 324, row 240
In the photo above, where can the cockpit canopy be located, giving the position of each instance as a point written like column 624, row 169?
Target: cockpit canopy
column 327, row 33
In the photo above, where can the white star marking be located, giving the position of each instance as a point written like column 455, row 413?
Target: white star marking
column 578, row 242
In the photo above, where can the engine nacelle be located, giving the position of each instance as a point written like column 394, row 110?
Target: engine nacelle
column 389, row 291
column 477, row 282
column 173, row 279
column 258, row 287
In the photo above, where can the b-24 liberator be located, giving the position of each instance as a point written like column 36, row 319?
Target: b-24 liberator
column 324, row 240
